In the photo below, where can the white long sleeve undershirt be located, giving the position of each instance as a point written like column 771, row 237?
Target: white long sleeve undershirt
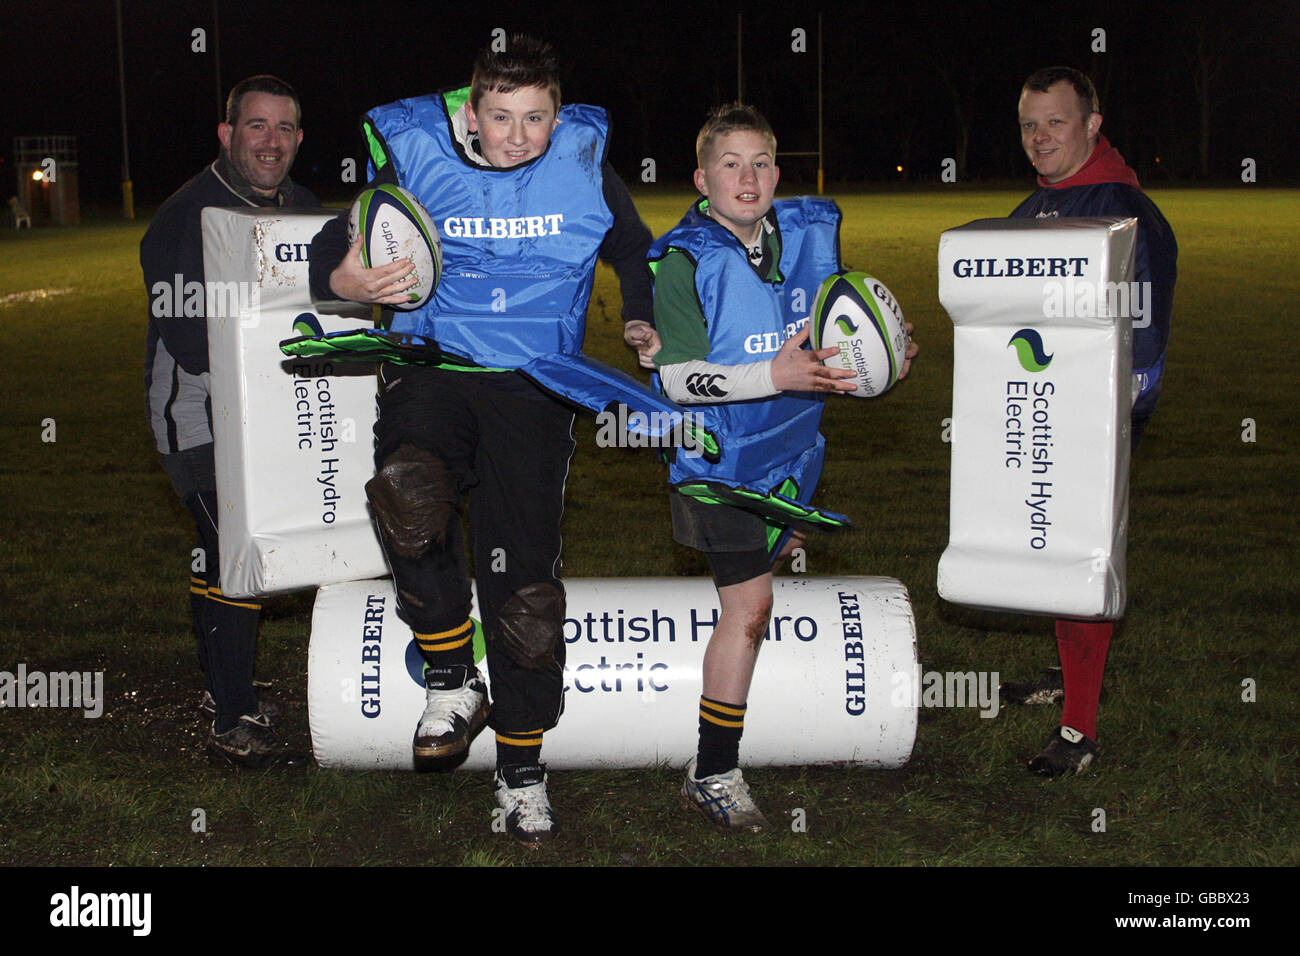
column 698, row 382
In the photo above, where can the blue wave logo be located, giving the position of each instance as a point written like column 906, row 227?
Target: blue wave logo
column 307, row 324
column 414, row 660
column 846, row 325
column 1029, row 350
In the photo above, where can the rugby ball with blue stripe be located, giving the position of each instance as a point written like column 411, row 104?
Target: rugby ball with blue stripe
column 856, row 314
column 396, row 226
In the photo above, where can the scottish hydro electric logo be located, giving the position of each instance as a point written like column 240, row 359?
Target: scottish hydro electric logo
column 307, row 324
column 1029, row 350
column 415, row 660
column 846, row 325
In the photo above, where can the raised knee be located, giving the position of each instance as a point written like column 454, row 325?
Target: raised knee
column 412, row 497
column 531, row 624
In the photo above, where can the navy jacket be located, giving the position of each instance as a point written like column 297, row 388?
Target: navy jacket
column 1156, row 262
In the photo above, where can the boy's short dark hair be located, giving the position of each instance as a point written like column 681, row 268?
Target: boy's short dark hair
column 263, row 83
column 731, row 118
column 526, row 61
column 1044, row 80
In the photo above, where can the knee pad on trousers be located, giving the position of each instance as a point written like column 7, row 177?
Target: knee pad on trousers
column 531, row 624
column 412, row 497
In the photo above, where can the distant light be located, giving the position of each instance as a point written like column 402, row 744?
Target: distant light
column 37, row 175
column 899, row 168
column 1157, row 159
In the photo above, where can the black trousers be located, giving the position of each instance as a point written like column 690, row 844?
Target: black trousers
column 225, row 628
column 508, row 446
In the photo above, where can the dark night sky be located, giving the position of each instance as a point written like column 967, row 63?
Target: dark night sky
column 899, row 79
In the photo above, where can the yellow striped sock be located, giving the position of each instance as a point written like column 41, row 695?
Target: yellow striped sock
column 448, row 640
column 519, row 747
column 724, row 715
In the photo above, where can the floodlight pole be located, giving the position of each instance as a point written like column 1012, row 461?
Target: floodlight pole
column 740, row 63
column 216, row 61
column 821, row 163
column 128, row 197
column 740, row 98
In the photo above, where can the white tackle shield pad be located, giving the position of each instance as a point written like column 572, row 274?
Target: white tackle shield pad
column 1042, row 397
column 838, row 681
column 293, row 436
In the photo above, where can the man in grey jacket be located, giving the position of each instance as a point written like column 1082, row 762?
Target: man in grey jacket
column 259, row 141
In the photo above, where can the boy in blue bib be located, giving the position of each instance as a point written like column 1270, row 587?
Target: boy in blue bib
column 732, row 349
column 525, row 202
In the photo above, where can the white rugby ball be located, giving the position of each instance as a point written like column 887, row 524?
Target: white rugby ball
column 856, row 314
column 396, row 226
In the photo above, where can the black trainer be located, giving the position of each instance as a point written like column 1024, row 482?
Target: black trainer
column 250, row 743
column 208, row 707
column 1067, row 752
column 1048, row 689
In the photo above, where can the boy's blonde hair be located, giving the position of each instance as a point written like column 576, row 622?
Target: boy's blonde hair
column 731, row 118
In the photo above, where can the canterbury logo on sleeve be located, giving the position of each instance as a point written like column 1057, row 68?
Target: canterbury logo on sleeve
column 698, row 382
column 706, row 385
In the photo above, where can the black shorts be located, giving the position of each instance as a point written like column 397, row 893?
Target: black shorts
column 733, row 541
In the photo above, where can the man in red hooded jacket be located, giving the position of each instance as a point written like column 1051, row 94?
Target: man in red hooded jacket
column 1081, row 174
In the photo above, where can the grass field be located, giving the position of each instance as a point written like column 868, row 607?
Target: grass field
column 94, row 548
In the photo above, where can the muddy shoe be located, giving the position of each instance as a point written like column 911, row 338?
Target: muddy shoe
column 208, row 707
column 521, row 793
column 1067, row 752
column 455, row 710
column 723, row 799
column 1048, row 689
column 250, row 743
